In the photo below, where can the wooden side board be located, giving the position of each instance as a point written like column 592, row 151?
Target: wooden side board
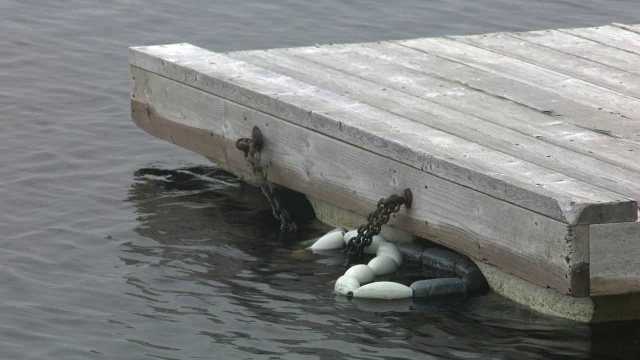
column 435, row 152
column 535, row 247
column 615, row 258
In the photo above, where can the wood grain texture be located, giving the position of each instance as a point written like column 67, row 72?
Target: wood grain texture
column 628, row 27
column 590, row 71
column 583, row 48
column 389, row 135
column 369, row 61
column 611, row 36
column 563, row 86
column 402, row 94
column 481, row 226
column 615, row 258
column 556, row 110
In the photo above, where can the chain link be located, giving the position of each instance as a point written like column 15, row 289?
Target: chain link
column 375, row 220
column 366, row 232
column 254, row 158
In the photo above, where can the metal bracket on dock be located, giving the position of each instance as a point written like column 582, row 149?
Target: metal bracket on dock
column 244, row 144
column 406, row 199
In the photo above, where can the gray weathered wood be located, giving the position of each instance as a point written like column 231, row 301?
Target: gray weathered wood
column 372, row 61
column 465, row 126
column 481, row 226
column 629, row 27
column 591, row 71
column 587, row 94
column 544, row 102
column 436, row 152
column 615, row 258
column 610, row 36
column 584, row 48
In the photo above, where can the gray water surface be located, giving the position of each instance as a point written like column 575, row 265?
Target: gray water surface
column 116, row 245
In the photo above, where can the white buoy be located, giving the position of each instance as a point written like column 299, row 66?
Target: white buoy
column 376, row 241
column 384, row 290
column 383, row 265
column 330, row 241
column 346, row 285
column 363, row 273
column 391, row 251
column 350, row 234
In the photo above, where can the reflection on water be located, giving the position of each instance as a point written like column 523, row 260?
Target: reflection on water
column 215, row 268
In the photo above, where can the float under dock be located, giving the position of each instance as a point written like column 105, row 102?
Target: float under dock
column 522, row 150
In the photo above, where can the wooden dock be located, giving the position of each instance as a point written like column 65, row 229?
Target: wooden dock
column 522, row 149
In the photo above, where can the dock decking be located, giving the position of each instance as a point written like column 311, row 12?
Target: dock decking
column 522, row 149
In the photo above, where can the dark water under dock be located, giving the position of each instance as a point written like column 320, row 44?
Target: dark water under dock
column 114, row 244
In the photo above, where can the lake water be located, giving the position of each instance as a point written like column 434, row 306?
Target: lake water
column 116, row 245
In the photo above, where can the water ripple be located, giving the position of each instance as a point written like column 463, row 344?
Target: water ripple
column 117, row 245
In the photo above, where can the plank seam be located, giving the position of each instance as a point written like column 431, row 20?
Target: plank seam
column 543, row 139
column 626, row 27
column 420, row 168
column 570, row 77
column 545, row 112
column 553, row 204
column 525, row 82
column 578, row 57
column 601, row 43
column 481, row 71
column 453, row 81
column 545, row 65
column 511, row 35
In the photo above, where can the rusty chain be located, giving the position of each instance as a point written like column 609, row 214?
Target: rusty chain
column 375, row 220
column 251, row 148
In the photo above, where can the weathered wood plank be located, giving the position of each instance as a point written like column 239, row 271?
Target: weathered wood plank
column 610, row 36
column 349, row 177
column 443, row 118
column 584, row 48
column 630, row 27
column 615, row 258
column 369, row 61
column 544, row 102
column 587, row 94
column 567, row 64
column 436, row 152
